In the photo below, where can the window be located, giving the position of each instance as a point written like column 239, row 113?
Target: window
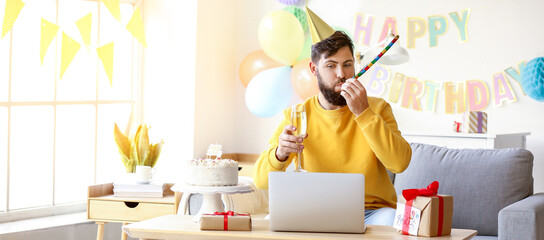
column 56, row 135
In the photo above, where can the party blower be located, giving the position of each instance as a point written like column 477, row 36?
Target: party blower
column 377, row 57
column 320, row 30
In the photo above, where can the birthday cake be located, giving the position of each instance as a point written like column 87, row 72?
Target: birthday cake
column 212, row 171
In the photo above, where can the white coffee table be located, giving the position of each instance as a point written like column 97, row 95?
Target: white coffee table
column 181, row 227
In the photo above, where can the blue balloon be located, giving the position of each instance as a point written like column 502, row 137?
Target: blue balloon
column 532, row 79
column 269, row 92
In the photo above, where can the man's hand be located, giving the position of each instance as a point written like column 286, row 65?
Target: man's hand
column 288, row 143
column 355, row 94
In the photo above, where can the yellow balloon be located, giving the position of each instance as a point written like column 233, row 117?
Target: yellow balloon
column 281, row 36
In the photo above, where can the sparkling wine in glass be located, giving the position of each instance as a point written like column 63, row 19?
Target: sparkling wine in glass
column 298, row 119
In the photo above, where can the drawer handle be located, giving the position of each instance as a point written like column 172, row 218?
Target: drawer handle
column 132, row 204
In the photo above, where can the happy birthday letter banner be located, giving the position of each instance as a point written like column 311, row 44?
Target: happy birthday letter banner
column 471, row 95
column 416, row 27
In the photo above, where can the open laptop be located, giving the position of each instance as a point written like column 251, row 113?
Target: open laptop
column 317, row 202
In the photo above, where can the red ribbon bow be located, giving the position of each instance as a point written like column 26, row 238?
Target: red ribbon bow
column 229, row 213
column 226, row 217
column 431, row 190
column 411, row 194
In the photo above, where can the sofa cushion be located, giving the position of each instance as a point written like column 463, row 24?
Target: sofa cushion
column 481, row 181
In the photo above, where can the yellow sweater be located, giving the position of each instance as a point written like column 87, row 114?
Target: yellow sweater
column 340, row 142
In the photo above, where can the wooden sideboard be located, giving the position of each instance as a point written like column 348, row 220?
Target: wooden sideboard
column 103, row 207
column 469, row 140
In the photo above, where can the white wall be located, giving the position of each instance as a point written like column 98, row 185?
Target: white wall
column 226, row 33
column 169, row 73
column 501, row 34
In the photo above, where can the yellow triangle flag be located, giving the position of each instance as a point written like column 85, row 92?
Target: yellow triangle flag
column 84, row 26
column 69, row 49
column 136, row 27
column 13, row 8
column 113, row 7
column 319, row 29
column 105, row 53
column 49, row 31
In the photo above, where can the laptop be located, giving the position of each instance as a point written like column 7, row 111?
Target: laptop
column 317, row 202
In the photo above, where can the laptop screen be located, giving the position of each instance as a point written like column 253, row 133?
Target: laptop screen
column 316, row 202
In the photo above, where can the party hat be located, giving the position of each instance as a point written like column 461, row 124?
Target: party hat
column 319, row 29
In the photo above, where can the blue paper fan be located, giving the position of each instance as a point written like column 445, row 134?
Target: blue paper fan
column 532, row 79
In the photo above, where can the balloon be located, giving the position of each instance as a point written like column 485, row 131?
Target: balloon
column 254, row 63
column 306, row 49
column 304, row 82
column 300, row 15
column 281, row 36
column 532, row 79
column 269, row 92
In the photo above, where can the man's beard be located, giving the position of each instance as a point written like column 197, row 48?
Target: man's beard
column 334, row 98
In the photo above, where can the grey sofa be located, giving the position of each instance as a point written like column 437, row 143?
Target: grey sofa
column 492, row 188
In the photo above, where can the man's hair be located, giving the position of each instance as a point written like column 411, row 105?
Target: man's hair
column 331, row 45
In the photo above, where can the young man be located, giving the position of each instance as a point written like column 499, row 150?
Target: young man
column 348, row 131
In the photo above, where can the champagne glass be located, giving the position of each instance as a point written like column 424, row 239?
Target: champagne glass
column 298, row 119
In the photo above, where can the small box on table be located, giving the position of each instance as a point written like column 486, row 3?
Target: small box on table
column 226, row 221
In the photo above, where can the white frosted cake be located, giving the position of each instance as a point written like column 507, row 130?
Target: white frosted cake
column 213, row 172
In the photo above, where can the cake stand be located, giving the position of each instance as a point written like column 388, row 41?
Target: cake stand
column 211, row 201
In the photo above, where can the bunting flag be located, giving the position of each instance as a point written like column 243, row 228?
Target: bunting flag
column 136, row 27
column 84, row 26
column 70, row 47
column 49, row 31
column 113, row 7
column 105, row 53
column 13, row 8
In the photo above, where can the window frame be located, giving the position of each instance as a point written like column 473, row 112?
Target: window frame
column 136, row 100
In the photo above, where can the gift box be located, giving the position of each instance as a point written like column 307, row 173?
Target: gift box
column 474, row 122
column 421, row 212
column 457, row 126
column 226, row 221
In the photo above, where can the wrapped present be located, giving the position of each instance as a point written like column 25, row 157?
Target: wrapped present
column 422, row 212
column 457, row 126
column 226, row 221
column 475, row 122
